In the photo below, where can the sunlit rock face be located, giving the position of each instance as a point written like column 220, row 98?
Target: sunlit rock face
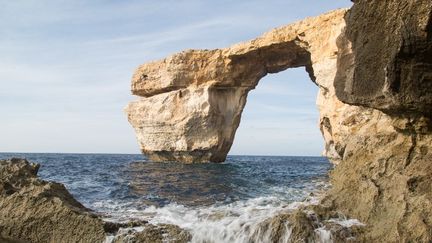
column 191, row 102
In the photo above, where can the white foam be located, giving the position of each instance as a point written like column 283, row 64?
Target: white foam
column 234, row 222
column 239, row 221
column 347, row 222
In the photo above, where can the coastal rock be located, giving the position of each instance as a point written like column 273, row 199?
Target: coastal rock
column 305, row 225
column 384, row 177
column 33, row 210
column 154, row 234
column 192, row 101
column 385, row 60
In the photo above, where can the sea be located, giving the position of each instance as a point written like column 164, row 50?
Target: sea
column 215, row 202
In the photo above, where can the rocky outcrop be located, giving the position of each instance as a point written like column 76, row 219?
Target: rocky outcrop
column 33, row 210
column 192, row 101
column 384, row 177
column 375, row 99
column 385, row 60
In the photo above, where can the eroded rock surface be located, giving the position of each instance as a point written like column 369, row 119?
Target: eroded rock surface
column 385, row 60
column 384, row 177
column 192, row 101
column 154, row 234
column 308, row 224
column 33, row 210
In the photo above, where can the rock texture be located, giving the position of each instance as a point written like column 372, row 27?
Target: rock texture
column 33, row 210
column 384, row 177
column 192, row 101
column 386, row 56
column 304, row 225
column 154, row 234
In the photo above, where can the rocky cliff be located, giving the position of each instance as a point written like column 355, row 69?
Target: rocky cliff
column 384, row 176
column 373, row 66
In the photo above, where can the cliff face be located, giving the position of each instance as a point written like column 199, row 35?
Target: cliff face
column 386, row 56
column 192, row 101
column 373, row 67
column 385, row 174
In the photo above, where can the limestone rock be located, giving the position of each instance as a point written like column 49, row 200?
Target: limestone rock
column 385, row 60
column 33, row 210
column 192, row 101
column 154, row 234
column 304, row 225
column 384, row 175
column 384, row 178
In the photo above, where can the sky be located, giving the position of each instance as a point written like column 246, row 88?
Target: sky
column 65, row 70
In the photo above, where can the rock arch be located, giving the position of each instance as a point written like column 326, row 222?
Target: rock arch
column 380, row 138
column 191, row 102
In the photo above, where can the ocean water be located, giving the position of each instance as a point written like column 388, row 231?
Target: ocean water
column 214, row 202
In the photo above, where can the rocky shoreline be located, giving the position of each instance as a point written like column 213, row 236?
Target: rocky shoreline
column 34, row 210
column 373, row 67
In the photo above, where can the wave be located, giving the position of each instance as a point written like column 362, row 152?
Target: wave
column 241, row 221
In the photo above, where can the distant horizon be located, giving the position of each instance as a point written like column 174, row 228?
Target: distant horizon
column 252, row 155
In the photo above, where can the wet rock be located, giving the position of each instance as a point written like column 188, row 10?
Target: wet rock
column 305, row 225
column 154, row 234
column 113, row 227
column 34, row 210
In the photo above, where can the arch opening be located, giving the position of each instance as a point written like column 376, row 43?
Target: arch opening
column 280, row 117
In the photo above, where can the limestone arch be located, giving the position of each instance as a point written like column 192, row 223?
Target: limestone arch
column 191, row 102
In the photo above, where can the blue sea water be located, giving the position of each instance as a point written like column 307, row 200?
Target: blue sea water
column 242, row 192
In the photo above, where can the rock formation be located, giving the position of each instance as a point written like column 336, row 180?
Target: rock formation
column 373, row 66
column 385, row 60
column 384, row 177
column 33, row 210
column 192, row 101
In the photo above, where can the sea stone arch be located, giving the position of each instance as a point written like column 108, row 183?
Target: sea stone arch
column 191, row 103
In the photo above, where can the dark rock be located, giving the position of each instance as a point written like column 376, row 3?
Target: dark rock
column 390, row 65
column 113, row 227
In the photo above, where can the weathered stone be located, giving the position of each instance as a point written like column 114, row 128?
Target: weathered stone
column 305, row 225
column 155, row 234
column 192, row 101
column 385, row 60
column 33, row 210
column 385, row 172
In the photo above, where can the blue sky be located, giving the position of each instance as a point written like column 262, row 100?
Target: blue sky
column 65, row 69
